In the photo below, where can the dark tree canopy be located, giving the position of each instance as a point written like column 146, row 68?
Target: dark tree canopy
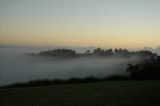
column 98, row 52
column 147, row 70
column 59, row 53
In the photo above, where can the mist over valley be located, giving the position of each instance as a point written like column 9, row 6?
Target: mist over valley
column 16, row 66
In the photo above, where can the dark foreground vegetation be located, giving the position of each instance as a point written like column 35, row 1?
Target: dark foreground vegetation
column 108, row 93
column 36, row 83
column 146, row 70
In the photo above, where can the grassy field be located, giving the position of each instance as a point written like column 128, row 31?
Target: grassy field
column 111, row 93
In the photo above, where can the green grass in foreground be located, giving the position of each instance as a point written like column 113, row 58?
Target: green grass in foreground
column 111, row 93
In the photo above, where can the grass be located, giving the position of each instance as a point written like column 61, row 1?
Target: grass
column 109, row 93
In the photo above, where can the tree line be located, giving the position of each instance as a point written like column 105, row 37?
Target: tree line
column 98, row 52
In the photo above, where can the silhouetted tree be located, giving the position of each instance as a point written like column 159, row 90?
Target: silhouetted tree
column 149, row 69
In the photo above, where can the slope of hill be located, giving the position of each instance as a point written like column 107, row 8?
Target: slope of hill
column 113, row 93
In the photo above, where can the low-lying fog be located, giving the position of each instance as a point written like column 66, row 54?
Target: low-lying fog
column 15, row 66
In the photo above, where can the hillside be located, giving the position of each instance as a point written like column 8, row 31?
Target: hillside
column 111, row 93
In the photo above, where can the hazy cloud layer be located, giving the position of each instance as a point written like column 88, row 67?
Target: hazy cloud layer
column 17, row 67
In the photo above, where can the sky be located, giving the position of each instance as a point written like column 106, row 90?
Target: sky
column 82, row 23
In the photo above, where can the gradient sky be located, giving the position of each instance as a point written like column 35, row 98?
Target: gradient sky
column 103, row 23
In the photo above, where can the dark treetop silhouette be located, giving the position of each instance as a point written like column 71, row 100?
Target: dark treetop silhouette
column 68, row 53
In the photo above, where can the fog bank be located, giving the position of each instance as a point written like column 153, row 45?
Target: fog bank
column 15, row 66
